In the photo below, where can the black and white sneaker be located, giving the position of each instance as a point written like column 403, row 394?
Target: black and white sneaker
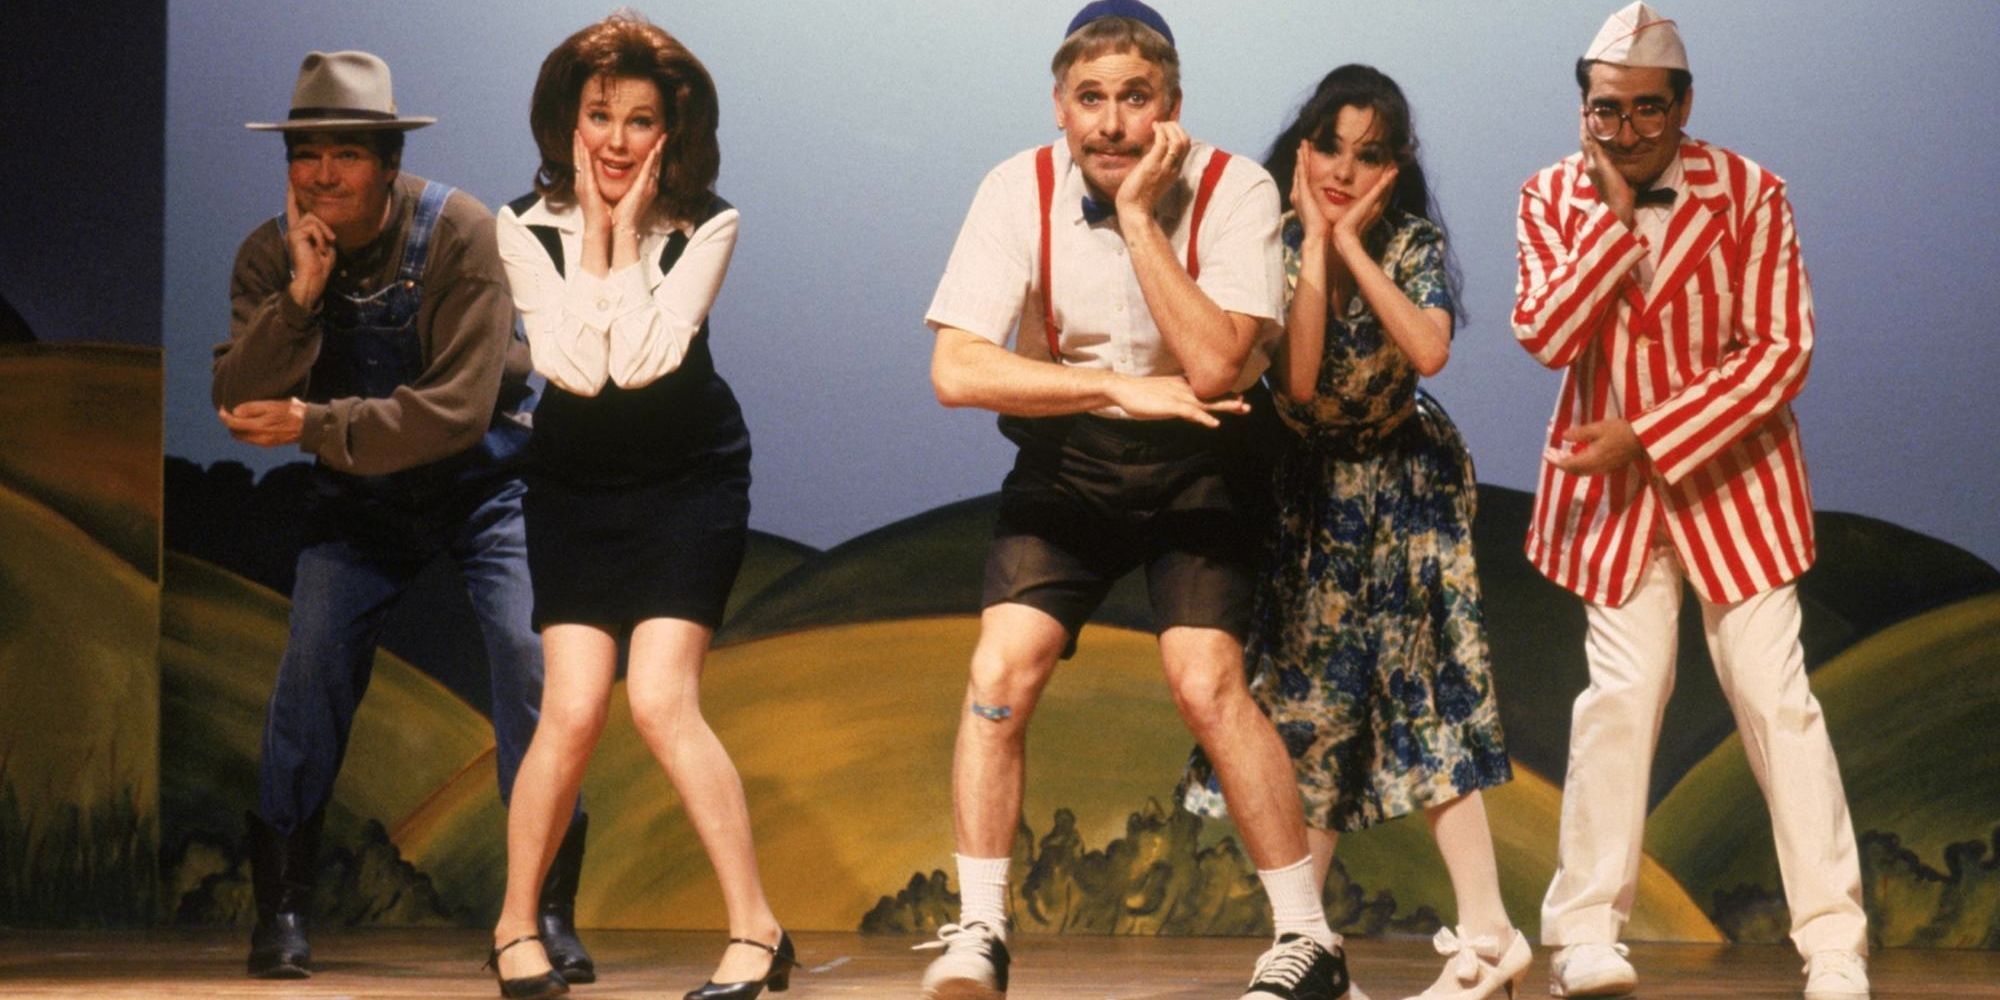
column 973, row 966
column 1298, row 968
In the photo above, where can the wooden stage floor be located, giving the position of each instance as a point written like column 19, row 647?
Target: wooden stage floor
column 652, row 965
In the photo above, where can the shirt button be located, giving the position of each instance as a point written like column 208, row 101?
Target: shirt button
column 603, row 304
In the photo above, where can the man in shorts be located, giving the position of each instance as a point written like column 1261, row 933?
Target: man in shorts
column 1139, row 274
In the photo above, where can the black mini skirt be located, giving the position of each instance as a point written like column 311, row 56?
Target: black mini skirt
column 613, row 556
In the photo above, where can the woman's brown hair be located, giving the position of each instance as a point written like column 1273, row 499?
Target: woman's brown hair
column 626, row 44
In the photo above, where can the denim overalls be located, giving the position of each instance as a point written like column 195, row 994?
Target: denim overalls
column 370, row 536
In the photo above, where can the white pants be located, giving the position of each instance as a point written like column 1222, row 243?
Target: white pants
column 1616, row 725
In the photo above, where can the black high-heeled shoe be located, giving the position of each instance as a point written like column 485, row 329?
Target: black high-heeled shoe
column 535, row 987
column 778, row 977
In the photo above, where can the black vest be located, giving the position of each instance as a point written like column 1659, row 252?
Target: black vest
column 655, row 432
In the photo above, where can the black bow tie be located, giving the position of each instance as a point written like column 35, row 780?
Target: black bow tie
column 1095, row 211
column 1655, row 196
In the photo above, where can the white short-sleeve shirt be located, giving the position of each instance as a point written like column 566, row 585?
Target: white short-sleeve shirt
column 991, row 285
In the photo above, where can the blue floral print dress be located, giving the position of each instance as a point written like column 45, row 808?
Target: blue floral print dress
column 1367, row 647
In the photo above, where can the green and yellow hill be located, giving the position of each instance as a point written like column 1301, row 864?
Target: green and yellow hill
column 78, row 721
column 836, row 684
column 843, row 738
column 1870, row 574
column 80, row 432
column 1912, row 712
column 221, row 638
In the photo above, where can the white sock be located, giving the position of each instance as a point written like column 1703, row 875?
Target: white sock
column 982, row 891
column 1295, row 906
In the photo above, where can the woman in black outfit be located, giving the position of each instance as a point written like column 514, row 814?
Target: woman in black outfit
column 638, row 501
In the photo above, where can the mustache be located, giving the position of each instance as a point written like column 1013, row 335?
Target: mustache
column 1114, row 149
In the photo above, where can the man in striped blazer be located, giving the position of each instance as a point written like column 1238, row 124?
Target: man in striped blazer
column 1661, row 276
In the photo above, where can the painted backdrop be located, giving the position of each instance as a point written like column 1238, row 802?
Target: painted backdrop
column 853, row 136
column 80, row 493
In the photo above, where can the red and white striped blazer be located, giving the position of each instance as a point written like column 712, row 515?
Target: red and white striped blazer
column 1704, row 365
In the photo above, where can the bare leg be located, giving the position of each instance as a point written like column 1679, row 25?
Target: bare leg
column 1205, row 669
column 663, row 685
column 1321, row 843
column 1465, row 840
column 580, row 662
column 1017, row 653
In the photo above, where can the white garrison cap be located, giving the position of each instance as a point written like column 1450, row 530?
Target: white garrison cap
column 1638, row 36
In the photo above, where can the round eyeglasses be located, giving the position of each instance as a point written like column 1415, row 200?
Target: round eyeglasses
column 1649, row 121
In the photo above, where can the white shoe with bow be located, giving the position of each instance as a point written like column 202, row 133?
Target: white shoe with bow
column 1477, row 968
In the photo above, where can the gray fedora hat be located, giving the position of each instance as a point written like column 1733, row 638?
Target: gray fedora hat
column 342, row 91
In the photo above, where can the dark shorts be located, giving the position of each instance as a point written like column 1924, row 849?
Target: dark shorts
column 616, row 556
column 1091, row 499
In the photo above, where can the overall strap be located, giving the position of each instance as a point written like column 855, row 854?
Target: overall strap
column 417, row 249
column 1045, row 186
column 1210, row 175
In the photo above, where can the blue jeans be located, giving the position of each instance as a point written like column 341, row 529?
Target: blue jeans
column 360, row 559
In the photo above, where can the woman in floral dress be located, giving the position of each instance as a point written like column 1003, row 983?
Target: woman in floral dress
column 1367, row 648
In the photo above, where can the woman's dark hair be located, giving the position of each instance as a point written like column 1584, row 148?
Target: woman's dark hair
column 626, row 44
column 1355, row 85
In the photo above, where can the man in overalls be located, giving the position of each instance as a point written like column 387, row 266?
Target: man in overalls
column 1138, row 275
column 370, row 325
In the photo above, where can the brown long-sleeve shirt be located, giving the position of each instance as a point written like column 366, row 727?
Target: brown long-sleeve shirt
column 465, row 327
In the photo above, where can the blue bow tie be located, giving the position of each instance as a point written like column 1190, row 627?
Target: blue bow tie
column 1095, row 211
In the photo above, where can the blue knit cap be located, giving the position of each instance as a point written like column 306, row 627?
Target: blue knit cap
column 1133, row 9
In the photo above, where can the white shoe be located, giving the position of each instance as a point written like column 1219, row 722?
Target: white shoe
column 1477, row 968
column 1592, row 970
column 973, row 966
column 1836, row 975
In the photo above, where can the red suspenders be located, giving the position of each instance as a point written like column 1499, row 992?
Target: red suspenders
column 1209, row 176
column 1045, row 185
